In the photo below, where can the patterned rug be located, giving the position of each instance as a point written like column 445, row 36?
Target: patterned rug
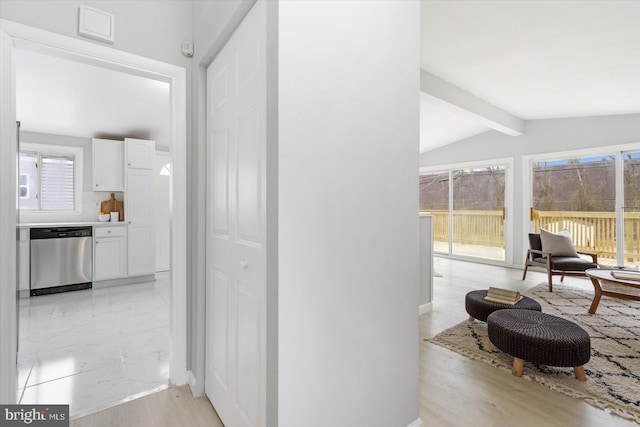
column 613, row 373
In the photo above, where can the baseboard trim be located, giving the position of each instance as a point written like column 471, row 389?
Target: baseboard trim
column 124, row 281
column 416, row 423
column 425, row 308
column 197, row 390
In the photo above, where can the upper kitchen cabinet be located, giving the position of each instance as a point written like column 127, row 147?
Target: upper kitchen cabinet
column 108, row 165
column 140, row 153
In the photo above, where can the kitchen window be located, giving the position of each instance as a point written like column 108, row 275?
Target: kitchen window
column 49, row 178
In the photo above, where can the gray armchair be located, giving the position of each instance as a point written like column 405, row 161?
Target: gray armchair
column 556, row 265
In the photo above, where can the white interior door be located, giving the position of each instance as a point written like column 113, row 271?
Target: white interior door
column 236, row 255
column 162, row 201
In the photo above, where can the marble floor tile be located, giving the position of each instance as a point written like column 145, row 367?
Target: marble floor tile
column 94, row 348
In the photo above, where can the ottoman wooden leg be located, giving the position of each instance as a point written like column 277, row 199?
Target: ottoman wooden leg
column 518, row 364
column 471, row 319
column 579, row 373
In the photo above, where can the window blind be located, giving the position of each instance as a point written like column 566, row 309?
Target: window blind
column 56, row 182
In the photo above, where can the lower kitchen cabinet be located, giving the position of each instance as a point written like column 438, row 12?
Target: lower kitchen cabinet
column 141, row 249
column 109, row 253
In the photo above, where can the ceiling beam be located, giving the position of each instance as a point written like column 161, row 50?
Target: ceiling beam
column 446, row 95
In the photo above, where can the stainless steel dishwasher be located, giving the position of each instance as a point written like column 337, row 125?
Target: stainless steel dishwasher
column 60, row 259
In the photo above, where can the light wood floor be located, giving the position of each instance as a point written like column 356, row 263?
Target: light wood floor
column 174, row 407
column 454, row 390
column 458, row 391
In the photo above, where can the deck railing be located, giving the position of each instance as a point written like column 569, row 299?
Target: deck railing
column 590, row 231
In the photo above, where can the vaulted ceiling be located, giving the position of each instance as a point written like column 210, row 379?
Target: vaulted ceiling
column 527, row 59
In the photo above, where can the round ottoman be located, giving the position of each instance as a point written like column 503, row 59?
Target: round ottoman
column 479, row 308
column 539, row 338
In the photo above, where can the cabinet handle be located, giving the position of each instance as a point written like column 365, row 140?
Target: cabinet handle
column 128, row 164
column 96, row 185
column 244, row 264
column 97, row 243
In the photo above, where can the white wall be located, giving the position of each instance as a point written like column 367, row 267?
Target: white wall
column 348, row 213
column 152, row 29
column 540, row 136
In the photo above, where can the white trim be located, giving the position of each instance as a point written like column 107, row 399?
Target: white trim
column 14, row 34
column 425, row 308
column 8, row 148
column 474, row 164
column 197, row 387
column 416, row 423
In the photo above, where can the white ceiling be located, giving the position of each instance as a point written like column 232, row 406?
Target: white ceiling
column 64, row 97
column 535, row 59
column 439, row 126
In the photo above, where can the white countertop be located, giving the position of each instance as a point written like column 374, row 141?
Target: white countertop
column 71, row 224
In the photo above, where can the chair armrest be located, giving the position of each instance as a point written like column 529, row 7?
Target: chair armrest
column 543, row 253
column 593, row 256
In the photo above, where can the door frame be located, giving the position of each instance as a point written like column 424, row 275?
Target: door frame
column 14, row 35
column 527, row 181
column 508, row 203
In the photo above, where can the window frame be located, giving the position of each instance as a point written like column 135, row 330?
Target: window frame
column 56, row 150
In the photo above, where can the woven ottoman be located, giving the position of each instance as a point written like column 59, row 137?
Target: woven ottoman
column 539, row 338
column 479, row 308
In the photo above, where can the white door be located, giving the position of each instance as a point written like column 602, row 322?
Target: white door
column 236, row 255
column 162, row 201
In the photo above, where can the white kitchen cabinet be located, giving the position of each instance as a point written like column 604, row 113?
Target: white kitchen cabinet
column 141, row 250
column 109, row 253
column 140, row 153
column 108, row 165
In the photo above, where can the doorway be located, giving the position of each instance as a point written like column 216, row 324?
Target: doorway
column 13, row 37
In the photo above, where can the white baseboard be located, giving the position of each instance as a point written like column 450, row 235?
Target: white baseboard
column 416, row 423
column 425, row 308
column 197, row 390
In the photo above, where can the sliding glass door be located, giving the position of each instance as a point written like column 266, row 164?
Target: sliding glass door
column 478, row 212
column 596, row 198
column 434, row 200
column 468, row 205
column 578, row 194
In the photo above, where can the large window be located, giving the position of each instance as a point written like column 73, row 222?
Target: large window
column 49, row 178
column 595, row 197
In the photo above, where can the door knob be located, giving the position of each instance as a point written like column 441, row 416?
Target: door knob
column 244, row 264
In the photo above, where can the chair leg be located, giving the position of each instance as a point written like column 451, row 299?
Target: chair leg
column 550, row 280
column 562, row 278
column 526, row 266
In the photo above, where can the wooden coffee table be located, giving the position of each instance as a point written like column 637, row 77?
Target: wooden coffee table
column 600, row 277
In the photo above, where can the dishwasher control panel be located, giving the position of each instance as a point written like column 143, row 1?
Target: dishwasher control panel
column 60, row 232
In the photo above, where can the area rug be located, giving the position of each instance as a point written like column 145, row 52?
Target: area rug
column 613, row 373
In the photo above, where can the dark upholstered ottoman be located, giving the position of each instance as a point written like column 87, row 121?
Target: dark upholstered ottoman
column 539, row 338
column 479, row 308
